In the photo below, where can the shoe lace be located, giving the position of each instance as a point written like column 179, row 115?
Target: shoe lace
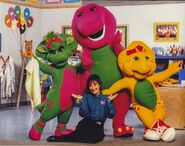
column 160, row 129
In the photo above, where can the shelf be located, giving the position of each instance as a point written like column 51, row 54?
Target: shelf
column 171, row 57
column 162, row 63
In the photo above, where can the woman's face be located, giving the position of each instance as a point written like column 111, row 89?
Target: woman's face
column 94, row 87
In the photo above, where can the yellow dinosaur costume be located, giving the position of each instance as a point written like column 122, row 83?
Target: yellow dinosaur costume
column 137, row 62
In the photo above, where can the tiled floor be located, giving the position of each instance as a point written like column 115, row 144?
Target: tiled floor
column 16, row 123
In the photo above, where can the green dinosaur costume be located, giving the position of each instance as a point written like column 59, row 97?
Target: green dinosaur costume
column 56, row 49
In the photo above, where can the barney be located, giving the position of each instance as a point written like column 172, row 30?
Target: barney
column 94, row 28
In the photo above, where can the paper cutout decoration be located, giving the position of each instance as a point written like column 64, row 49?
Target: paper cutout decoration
column 17, row 19
column 26, row 14
column 30, row 21
column 8, row 21
column 11, row 13
column 18, row 11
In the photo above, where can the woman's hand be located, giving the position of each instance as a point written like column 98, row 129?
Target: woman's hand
column 111, row 97
column 77, row 97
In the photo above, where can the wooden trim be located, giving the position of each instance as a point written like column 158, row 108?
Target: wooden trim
column 37, row 6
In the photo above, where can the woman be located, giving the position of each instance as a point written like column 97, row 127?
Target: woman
column 95, row 108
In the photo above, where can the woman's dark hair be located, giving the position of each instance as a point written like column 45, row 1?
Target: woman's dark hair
column 91, row 78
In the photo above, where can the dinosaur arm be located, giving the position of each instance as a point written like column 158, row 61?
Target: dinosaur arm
column 86, row 59
column 117, row 86
column 172, row 69
column 44, row 67
column 116, row 43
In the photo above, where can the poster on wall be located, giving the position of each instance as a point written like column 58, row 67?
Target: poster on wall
column 166, row 32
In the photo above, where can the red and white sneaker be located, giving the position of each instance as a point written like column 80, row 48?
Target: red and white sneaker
column 150, row 134
column 167, row 133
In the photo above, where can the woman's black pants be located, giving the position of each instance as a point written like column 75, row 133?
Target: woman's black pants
column 87, row 131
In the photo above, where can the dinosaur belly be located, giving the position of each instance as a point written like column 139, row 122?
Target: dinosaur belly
column 145, row 94
column 105, row 65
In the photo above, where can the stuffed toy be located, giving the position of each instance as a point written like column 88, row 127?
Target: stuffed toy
column 94, row 28
column 56, row 49
column 138, row 63
column 28, row 47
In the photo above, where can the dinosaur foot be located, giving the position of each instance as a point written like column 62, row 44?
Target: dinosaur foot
column 64, row 132
column 123, row 131
column 34, row 134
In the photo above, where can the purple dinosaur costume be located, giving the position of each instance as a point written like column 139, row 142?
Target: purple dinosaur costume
column 94, row 28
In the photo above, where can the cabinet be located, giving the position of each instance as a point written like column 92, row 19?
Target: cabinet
column 174, row 100
column 162, row 64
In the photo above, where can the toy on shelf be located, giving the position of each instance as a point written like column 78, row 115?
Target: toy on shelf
column 176, row 50
column 138, row 63
column 173, row 50
column 159, row 51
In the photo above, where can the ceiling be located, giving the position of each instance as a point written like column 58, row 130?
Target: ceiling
column 130, row 2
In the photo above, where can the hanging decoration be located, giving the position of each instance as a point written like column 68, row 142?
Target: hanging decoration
column 18, row 21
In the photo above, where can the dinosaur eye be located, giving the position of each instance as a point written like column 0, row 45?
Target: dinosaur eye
column 147, row 58
column 61, row 48
column 80, row 14
column 54, row 52
column 136, row 58
column 93, row 9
